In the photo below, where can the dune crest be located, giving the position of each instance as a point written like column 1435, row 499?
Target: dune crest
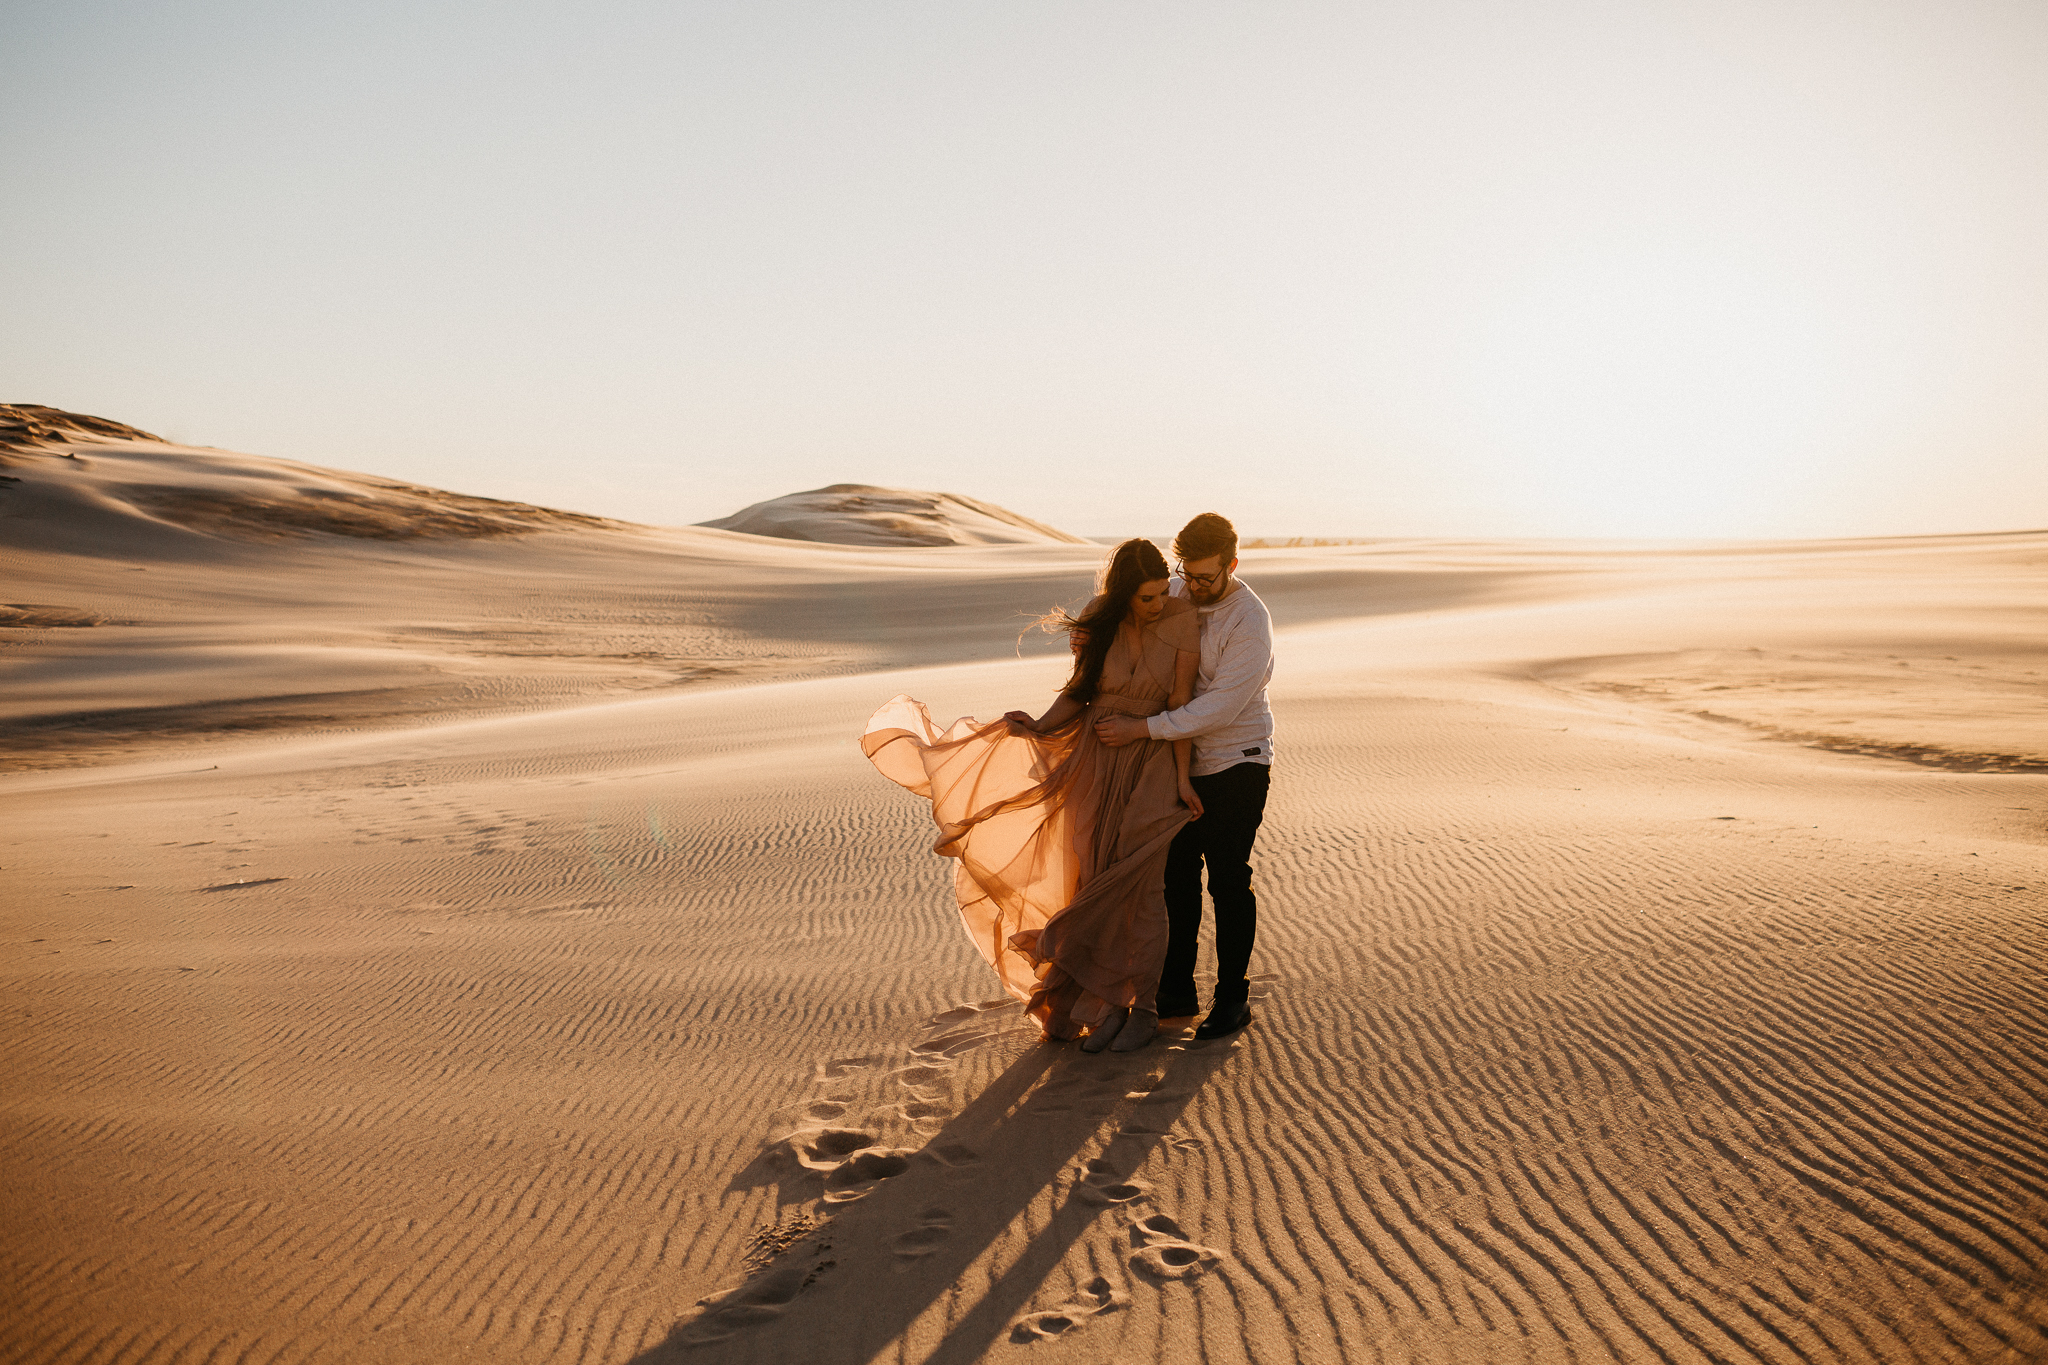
column 864, row 514
column 30, row 426
column 69, row 470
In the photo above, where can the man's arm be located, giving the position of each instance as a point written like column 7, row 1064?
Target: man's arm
column 1240, row 673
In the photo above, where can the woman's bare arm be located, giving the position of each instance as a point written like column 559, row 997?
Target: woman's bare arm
column 1059, row 713
column 1056, row 715
column 1185, row 665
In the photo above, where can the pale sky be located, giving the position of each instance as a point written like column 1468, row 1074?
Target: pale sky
column 1443, row 268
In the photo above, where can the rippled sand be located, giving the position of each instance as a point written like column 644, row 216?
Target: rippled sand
column 1601, row 1015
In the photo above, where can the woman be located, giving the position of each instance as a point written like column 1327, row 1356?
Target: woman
column 1062, row 841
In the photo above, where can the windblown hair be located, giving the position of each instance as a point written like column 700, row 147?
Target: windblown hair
column 1206, row 535
column 1133, row 564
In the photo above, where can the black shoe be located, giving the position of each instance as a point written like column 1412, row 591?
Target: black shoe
column 1225, row 1019
column 1178, row 1006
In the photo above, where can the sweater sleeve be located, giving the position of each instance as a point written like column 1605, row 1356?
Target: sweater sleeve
column 1246, row 662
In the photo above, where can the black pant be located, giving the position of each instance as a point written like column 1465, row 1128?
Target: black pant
column 1233, row 804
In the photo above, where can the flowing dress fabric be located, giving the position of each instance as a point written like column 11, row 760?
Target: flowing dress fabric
column 1061, row 841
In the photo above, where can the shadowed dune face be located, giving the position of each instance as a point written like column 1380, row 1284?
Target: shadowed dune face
column 97, row 487
column 372, row 512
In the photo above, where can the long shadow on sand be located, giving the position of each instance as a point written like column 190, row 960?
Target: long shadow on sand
column 848, row 1290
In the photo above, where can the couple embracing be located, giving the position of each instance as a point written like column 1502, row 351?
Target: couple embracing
column 1082, row 834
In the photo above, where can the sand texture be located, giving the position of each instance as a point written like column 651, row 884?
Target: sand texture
column 1651, row 963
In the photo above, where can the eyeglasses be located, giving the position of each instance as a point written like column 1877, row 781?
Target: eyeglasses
column 1204, row 581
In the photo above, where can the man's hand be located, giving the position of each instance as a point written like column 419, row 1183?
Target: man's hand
column 1117, row 731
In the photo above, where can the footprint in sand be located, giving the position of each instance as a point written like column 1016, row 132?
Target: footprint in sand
column 947, row 1046
column 916, row 1111
column 849, row 1159
column 1102, row 1185
column 846, row 1066
column 1163, row 1251
column 858, row 1175
column 1098, row 1296
column 824, row 1109
column 962, row 1014
column 827, row 1149
column 961, row 1030
column 934, row 1226
column 922, row 1075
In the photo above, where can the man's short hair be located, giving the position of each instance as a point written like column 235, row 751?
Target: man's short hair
column 1206, row 535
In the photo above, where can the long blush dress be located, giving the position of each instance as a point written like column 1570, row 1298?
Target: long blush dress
column 1061, row 841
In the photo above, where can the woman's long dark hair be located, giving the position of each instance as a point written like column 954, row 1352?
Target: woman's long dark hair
column 1132, row 565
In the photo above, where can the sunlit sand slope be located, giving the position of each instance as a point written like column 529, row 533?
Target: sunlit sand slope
column 1588, row 1028
column 862, row 514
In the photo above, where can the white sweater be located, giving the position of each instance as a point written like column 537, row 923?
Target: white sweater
column 1229, row 720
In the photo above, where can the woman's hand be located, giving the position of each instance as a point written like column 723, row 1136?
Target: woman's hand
column 1022, row 720
column 1189, row 799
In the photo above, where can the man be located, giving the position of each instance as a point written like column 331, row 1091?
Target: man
column 1232, row 727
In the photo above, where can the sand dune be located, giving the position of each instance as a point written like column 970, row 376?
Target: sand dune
column 233, row 593
column 862, row 514
column 229, row 594
column 637, row 1026
column 85, row 485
